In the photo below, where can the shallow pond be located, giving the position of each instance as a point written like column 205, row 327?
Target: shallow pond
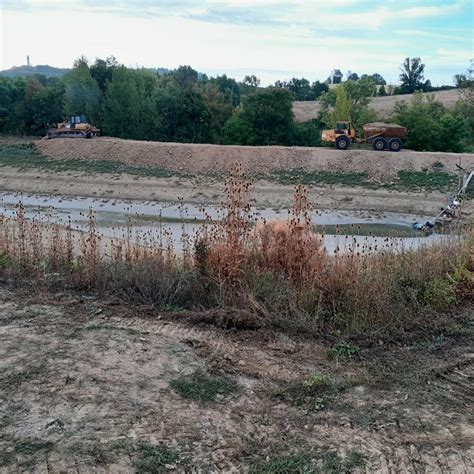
column 154, row 221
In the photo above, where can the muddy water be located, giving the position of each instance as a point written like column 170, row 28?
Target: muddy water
column 159, row 221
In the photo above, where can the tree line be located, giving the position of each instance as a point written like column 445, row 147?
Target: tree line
column 186, row 106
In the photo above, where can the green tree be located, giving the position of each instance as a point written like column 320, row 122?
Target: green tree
column 411, row 77
column 348, row 101
column 219, row 109
column 266, row 118
column 102, row 70
column 465, row 102
column 430, row 126
column 185, row 76
column 229, row 87
column 128, row 105
column 318, row 89
column 82, row 94
column 182, row 115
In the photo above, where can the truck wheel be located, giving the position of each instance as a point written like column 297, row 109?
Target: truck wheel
column 395, row 144
column 342, row 143
column 379, row 144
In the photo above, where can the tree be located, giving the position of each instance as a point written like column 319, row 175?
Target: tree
column 266, row 118
column 411, row 76
column 219, row 109
column 430, row 126
column 82, row 94
column 318, row 89
column 128, row 106
column 465, row 102
column 378, row 79
column 352, row 76
column 229, row 87
column 101, row 72
column 336, row 76
column 348, row 101
column 185, row 76
column 249, row 85
column 251, row 81
column 182, row 115
column 382, row 91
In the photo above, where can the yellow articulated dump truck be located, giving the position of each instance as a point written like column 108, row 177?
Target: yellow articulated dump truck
column 382, row 136
column 77, row 127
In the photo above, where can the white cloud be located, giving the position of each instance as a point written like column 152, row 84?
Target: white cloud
column 306, row 40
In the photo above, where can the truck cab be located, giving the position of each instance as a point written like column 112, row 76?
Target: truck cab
column 342, row 135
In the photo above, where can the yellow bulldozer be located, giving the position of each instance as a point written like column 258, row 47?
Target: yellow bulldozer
column 77, row 127
column 382, row 136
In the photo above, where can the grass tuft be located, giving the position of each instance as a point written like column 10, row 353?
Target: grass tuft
column 202, row 387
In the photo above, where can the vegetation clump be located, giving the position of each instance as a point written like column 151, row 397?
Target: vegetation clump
column 277, row 271
column 202, row 387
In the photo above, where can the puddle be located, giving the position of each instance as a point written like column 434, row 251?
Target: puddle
column 152, row 220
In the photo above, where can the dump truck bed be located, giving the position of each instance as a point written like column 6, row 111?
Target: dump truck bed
column 381, row 129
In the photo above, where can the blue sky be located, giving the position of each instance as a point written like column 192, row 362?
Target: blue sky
column 273, row 39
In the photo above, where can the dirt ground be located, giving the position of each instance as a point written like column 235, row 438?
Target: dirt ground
column 86, row 385
column 198, row 158
column 209, row 191
column 383, row 106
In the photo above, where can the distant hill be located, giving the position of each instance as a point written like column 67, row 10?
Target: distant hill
column 25, row 71
column 50, row 71
column 383, row 106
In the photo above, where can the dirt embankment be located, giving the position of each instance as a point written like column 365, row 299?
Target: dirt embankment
column 198, row 158
column 89, row 385
column 383, row 106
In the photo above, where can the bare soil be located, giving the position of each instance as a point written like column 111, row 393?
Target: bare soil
column 86, row 386
column 210, row 191
column 198, row 158
column 383, row 106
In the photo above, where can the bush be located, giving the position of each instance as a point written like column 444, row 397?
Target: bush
column 430, row 126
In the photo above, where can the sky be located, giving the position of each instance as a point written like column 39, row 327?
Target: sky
column 273, row 39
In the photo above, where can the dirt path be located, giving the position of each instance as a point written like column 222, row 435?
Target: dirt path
column 206, row 190
column 87, row 386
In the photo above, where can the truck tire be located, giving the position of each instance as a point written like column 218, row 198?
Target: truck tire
column 379, row 144
column 342, row 143
column 395, row 144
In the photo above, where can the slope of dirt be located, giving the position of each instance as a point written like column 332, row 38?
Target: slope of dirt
column 197, row 158
column 87, row 386
column 208, row 191
column 383, row 106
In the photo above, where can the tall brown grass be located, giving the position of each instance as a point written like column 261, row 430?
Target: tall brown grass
column 279, row 270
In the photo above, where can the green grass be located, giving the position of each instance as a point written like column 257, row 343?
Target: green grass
column 308, row 178
column 155, row 459
column 373, row 230
column 12, row 380
column 329, row 463
column 436, row 180
column 19, row 449
column 284, row 464
column 343, row 351
column 427, row 180
column 91, row 453
column 202, row 387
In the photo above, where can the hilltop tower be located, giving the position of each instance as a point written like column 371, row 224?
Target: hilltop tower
column 28, row 60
